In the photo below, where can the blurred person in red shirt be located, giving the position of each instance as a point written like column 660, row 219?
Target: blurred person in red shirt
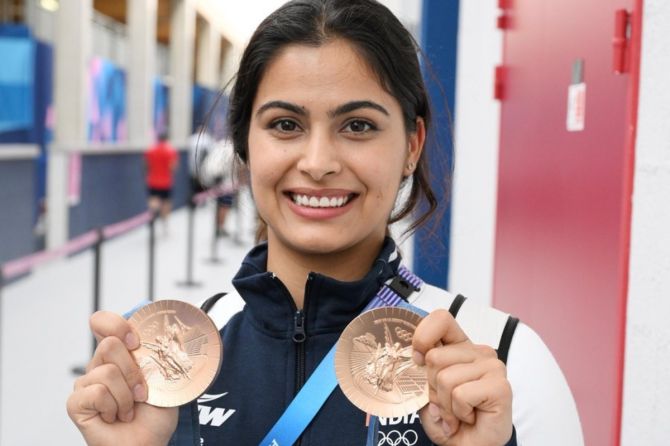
column 161, row 163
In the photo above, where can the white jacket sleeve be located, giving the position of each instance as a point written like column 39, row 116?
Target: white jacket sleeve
column 544, row 411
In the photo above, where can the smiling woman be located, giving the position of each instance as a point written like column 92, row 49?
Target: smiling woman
column 321, row 133
column 329, row 114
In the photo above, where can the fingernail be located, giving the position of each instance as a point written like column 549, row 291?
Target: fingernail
column 446, row 429
column 130, row 415
column 131, row 341
column 417, row 357
column 434, row 412
column 138, row 392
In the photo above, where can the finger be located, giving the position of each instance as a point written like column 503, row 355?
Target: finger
column 90, row 402
column 112, row 351
column 489, row 395
column 436, row 429
column 105, row 324
column 111, row 377
column 439, row 327
column 444, row 356
column 443, row 385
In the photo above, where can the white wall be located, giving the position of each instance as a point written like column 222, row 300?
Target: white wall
column 476, row 144
column 647, row 370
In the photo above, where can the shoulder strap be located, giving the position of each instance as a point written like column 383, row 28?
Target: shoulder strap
column 209, row 303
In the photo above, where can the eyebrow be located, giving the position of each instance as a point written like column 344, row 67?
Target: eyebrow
column 341, row 110
column 283, row 105
column 355, row 105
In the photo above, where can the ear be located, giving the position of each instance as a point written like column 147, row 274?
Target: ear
column 415, row 145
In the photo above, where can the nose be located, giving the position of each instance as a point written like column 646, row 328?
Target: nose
column 319, row 157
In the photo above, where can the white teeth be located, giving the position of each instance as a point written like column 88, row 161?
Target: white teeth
column 319, row 202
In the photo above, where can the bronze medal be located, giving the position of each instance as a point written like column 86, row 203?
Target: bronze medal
column 374, row 366
column 180, row 351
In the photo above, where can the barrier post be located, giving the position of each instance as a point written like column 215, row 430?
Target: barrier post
column 152, row 255
column 97, row 254
column 215, row 237
column 189, row 282
column 237, row 239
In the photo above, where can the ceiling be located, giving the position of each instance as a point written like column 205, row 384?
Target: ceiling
column 116, row 9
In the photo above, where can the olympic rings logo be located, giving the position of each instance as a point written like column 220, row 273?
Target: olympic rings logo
column 395, row 438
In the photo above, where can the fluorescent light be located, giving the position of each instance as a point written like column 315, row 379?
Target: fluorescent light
column 49, row 5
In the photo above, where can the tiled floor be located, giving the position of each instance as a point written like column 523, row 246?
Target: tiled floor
column 44, row 319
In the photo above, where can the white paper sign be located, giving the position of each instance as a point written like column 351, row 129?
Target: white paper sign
column 576, row 107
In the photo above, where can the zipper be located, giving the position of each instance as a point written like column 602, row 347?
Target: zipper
column 299, row 338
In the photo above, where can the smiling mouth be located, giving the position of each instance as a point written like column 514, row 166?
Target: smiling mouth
column 312, row 201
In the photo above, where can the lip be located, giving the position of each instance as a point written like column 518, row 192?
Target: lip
column 320, row 213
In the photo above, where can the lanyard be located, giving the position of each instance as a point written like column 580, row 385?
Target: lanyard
column 323, row 381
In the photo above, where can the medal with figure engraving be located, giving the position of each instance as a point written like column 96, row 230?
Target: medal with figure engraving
column 180, row 351
column 374, row 366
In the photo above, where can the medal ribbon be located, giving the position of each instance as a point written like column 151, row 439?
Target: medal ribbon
column 323, row 381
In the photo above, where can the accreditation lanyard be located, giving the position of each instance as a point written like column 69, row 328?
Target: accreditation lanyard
column 323, row 381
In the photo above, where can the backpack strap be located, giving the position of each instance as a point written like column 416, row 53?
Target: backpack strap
column 506, row 338
column 483, row 324
column 456, row 305
column 505, row 334
column 209, row 303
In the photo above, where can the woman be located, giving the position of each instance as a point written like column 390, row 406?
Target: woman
column 330, row 114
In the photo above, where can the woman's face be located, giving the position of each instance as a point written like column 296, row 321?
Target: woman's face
column 327, row 151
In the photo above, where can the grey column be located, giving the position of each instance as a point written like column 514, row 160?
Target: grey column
column 209, row 56
column 141, row 69
column 72, row 53
column 182, row 44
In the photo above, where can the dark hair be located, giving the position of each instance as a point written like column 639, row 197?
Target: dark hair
column 380, row 39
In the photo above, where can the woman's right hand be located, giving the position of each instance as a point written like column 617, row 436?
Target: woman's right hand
column 108, row 403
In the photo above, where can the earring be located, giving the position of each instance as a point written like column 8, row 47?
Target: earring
column 410, row 166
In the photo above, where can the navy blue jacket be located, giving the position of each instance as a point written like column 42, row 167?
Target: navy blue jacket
column 271, row 348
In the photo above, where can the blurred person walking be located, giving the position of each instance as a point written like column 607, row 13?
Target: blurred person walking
column 200, row 144
column 161, row 162
column 216, row 172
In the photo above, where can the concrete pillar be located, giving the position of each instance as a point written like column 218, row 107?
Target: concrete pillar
column 209, row 56
column 231, row 60
column 141, row 69
column 72, row 53
column 182, row 43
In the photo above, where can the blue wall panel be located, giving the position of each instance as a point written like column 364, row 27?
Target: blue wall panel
column 113, row 189
column 439, row 39
column 17, row 179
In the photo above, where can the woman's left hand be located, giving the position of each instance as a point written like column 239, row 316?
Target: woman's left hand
column 470, row 398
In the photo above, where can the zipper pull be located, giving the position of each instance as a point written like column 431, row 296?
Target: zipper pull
column 299, row 327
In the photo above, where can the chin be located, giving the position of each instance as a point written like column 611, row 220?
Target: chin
column 320, row 244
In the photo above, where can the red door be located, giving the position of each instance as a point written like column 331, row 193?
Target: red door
column 563, row 217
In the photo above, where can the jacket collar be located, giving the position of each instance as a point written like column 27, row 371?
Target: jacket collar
column 329, row 304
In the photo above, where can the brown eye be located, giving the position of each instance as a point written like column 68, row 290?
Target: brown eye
column 358, row 126
column 285, row 125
